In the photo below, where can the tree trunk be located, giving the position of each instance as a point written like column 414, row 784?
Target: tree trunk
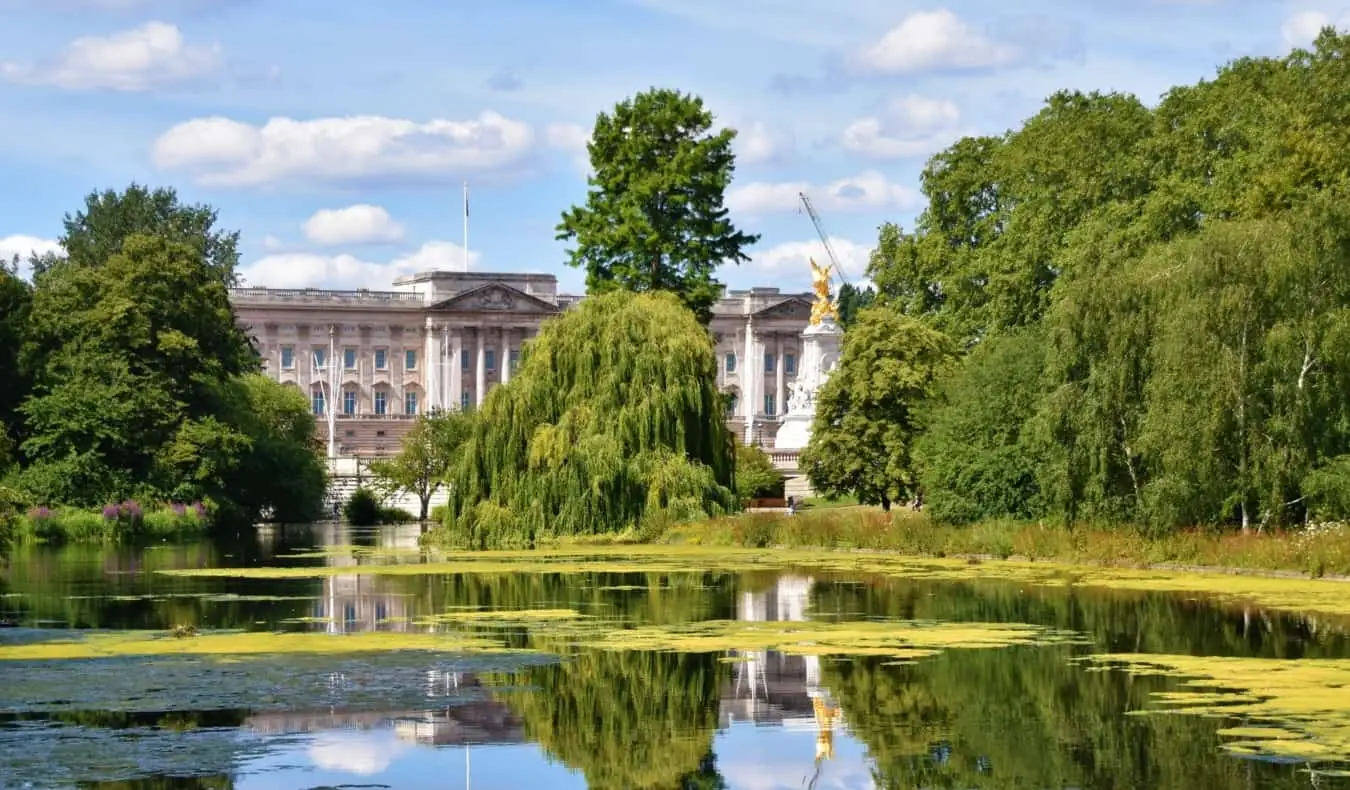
column 426, row 505
column 885, row 504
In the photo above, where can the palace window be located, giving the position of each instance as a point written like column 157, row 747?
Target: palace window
column 410, row 359
column 349, row 402
column 288, row 357
column 515, row 360
column 768, row 363
column 731, row 403
column 380, row 405
column 349, row 359
column 790, row 362
column 464, row 401
column 381, row 359
column 491, row 356
column 410, row 403
column 320, row 358
column 768, row 406
column 318, row 403
column 464, row 359
column 731, row 362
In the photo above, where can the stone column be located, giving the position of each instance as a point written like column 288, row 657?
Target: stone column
column 779, row 406
column 431, row 366
column 749, row 374
column 480, row 378
column 506, row 353
column 452, row 400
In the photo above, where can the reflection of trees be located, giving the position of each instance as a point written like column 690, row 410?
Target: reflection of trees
column 164, row 783
column 627, row 720
column 1021, row 717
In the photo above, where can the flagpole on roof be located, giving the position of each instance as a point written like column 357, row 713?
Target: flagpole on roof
column 466, row 226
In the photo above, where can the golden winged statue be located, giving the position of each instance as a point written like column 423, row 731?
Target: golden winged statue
column 820, row 283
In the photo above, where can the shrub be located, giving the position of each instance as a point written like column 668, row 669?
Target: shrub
column 395, row 515
column 362, row 509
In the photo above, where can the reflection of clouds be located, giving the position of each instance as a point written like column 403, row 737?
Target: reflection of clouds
column 365, row 754
column 775, row 758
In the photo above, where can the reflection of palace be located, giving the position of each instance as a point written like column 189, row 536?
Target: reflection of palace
column 362, row 602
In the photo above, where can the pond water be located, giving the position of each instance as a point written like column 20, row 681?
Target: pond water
column 653, row 674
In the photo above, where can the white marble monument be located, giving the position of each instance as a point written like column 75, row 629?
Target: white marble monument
column 820, row 356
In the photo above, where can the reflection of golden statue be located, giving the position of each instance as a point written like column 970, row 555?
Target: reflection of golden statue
column 820, row 283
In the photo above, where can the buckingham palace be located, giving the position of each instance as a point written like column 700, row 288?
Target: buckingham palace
column 370, row 361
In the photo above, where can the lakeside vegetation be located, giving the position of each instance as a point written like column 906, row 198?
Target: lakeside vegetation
column 126, row 379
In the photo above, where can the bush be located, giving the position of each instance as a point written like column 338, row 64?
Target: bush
column 395, row 515
column 756, row 476
column 362, row 509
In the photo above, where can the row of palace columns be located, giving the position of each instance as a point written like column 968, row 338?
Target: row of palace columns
column 752, row 374
column 445, row 349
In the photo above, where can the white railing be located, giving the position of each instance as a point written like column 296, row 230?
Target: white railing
column 258, row 295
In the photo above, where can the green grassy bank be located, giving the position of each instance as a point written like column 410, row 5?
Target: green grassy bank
column 116, row 523
column 1321, row 551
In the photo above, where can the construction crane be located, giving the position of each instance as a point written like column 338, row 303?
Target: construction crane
column 825, row 240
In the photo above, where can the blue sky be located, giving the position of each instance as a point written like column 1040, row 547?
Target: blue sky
column 336, row 135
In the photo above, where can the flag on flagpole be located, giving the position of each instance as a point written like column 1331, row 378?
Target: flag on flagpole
column 466, row 198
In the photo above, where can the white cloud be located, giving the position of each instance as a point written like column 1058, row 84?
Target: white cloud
column 911, row 126
column 789, row 260
column 1300, row 29
column 867, row 191
column 354, row 754
column 358, row 224
column 24, row 246
column 756, row 144
column 150, row 56
column 310, row 270
column 932, row 41
column 341, row 150
column 272, row 243
column 572, row 139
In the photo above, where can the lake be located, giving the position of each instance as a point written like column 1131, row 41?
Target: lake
column 346, row 658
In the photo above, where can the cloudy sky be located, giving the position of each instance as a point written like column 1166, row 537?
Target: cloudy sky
column 336, row 134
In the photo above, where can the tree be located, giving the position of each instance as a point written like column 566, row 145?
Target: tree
column 975, row 458
column 429, row 449
column 97, row 233
column 866, row 423
column 756, row 476
column 851, row 300
column 16, row 297
column 654, row 218
column 614, row 421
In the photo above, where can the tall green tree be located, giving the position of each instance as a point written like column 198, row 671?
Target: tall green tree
column 654, row 218
column 866, row 423
column 614, row 421
column 851, row 299
column 97, row 232
column 16, row 297
column 426, row 456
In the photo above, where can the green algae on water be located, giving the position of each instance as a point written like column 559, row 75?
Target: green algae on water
column 1289, row 594
column 140, row 643
column 1289, row 708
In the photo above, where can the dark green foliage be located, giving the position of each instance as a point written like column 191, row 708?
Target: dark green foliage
column 654, row 219
column 16, row 298
column 614, row 421
column 756, row 476
column 134, row 381
column 362, row 508
column 1184, row 266
column 851, row 299
column 866, row 420
column 975, row 461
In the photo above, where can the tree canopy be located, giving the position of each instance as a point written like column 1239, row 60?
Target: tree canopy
column 134, row 380
column 427, row 454
column 654, row 218
column 1157, row 290
column 613, row 421
column 866, row 413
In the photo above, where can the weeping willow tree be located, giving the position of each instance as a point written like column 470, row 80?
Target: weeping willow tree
column 613, row 422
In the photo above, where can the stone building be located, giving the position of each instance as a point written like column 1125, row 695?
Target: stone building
column 370, row 361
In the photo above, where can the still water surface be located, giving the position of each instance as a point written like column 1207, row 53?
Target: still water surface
column 1011, row 717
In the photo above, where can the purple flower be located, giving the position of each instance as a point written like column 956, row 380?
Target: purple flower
column 130, row 511
column 178, row 508
column 110, row 512
column 199, row 509
column 41, row 513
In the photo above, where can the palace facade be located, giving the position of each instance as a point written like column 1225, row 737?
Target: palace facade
column 371, row 361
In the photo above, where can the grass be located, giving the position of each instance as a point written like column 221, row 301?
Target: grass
column 1317, row 553
column 75, row 525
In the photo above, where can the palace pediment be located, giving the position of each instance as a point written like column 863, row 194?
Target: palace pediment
column 793, row 308
column 496, row 297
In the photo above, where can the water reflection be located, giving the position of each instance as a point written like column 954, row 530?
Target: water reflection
column 1021, row 717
